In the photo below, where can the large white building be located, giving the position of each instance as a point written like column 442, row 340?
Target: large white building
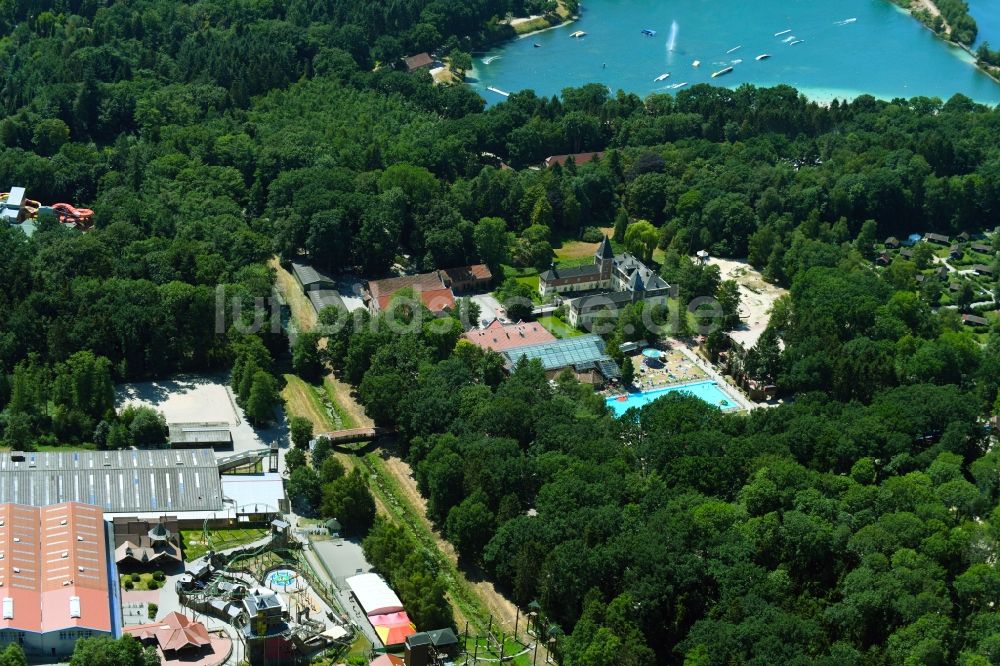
column 57, row 582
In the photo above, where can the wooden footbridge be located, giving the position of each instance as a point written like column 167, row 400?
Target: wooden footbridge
column 353, row 435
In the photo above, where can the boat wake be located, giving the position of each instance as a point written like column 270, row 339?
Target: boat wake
column 845, row 21
column 487, row 61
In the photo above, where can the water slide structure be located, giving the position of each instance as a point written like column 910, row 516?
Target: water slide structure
column 67, row 214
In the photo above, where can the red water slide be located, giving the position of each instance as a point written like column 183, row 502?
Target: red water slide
column 70, row 214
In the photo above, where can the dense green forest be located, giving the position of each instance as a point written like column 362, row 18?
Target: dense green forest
column 854, row 524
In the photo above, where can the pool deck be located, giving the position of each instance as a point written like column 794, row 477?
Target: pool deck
column 658, row 379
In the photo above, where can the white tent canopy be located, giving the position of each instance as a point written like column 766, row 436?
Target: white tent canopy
column 374, row 595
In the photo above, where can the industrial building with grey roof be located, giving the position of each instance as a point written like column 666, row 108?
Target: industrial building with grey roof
column 126, row 481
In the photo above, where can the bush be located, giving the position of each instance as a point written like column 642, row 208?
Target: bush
column 152, row 610
column 592, row 235
column 129, row 584
column 135, row 578
column 152, row 585
column 159, row 575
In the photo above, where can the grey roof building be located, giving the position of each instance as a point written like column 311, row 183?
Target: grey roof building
column 310, row 278
column 199, row 435
column 117, row 481
column 583, row 354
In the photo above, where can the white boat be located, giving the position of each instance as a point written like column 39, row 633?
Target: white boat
column 678, row 85
column 763, row 56
column 846, row 21
column 797, row 41
column 788, row 39
column 783, row 32
column 696, row 63
column 498, row 91
column 736, row 62
column 721, row 72
column 734, row 49
column 662, row 77
column 578, row 34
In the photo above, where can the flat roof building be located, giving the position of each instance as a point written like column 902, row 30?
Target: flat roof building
column 127, row 481
column 200, row 435
column 55, row 577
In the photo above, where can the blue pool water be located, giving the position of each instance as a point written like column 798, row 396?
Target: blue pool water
column 649, row 352
column 708, row 391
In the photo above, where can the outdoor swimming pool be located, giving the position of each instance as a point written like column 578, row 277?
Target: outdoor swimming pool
column 709, row 391
column 651, row 352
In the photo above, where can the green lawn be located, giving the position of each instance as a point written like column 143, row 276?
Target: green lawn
column 530, row 280
column 222, row 539
column 558, row 327
column 142, row 584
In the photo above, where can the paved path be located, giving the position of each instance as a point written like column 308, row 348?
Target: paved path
column 356, row 616
column 736, row 394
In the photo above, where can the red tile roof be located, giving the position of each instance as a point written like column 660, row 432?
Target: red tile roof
column 435, row 300
column 578, row 158
column 500, row 337
column 468, row 273
column 387, row 660
column 421, row 281
column 54, row 570
column 173, row 632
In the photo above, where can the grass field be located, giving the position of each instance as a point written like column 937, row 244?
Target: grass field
column 558, row 327
column 530, row 280
column 222, row 539
column 140, row 585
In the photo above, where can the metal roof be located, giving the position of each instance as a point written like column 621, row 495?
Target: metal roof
column 200, row 433
column 581, row 351
column 116, row 481
column 54, row 571
column 307, row 275
column 320, row 298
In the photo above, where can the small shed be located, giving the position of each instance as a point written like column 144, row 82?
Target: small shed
column 892, row 242
column 974, row 320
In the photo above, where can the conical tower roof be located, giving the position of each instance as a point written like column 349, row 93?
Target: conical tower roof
column 604, row 250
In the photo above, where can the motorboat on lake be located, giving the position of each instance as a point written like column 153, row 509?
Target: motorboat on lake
column 734, row 49
column 763, row 56
column 696, row 63
column 662, row 77
column 648, row 32
column 721, row 72
column 578, row 34
column 797, row 41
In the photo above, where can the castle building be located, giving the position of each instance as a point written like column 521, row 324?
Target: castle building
column 602, row 289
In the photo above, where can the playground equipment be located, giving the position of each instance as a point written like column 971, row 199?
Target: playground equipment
column 67, row 214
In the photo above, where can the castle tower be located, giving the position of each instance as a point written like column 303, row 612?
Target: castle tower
column 605, row 258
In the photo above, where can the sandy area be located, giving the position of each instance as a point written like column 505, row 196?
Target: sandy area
column 757, row 297
column 183, row 399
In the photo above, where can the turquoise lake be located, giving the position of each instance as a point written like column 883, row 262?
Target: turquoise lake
column 882, row 52
column 987, row 15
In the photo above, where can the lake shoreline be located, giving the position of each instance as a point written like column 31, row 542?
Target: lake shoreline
column 992, row 72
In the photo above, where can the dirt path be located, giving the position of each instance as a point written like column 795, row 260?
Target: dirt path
column 300, row 403
column 302, row 310
column 342, row 394
column 502, row 609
